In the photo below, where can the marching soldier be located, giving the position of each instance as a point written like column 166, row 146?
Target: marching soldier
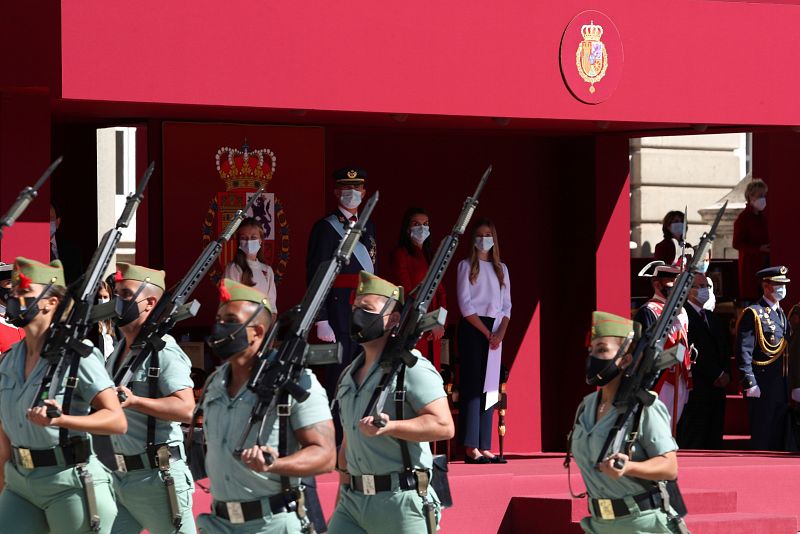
column 627, row 499
column 385, row 472
column 152, row 481
column 333, row 323
column 52, row 481
column 251, row 495
column 662, row 278
column 762, row 341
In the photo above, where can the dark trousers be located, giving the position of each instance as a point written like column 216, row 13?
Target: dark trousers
column 768, row 413
column 703, row 420
column 475, row 423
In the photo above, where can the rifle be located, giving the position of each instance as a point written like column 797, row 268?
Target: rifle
column 650, row 358
column 683, row 236
column 64, row 343
column 279, row 370
column 26, row 196
column 173, row 307
column 415, row 319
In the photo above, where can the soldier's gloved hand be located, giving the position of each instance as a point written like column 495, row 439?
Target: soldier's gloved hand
column 325, row 332
column 754, row 392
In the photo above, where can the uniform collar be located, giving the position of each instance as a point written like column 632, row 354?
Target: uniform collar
column 769, row 303
column 346, row 214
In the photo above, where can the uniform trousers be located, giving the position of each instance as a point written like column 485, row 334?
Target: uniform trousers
column 52, row 499
column 387, row 512
column 144, row 503
column 473, row 351
column 768, row 413
column 649, row 521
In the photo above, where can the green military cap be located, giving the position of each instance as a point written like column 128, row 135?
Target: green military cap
column 129, row 271
column 230, row 291
column 27, row 271
column 608, row 324
column 369, row 284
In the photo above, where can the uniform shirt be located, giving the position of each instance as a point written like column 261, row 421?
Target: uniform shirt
column 174, row 376
column 263, row 277
column 224, row 420
column 775, row 327
column 485, row 297
column 380, row 455
column 588, row 437
column 17, row 394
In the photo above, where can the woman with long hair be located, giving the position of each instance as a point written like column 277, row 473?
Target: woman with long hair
column 670, row 248
column 410, row 262
column 248, row 266
column 484, row 298
column 49, row 460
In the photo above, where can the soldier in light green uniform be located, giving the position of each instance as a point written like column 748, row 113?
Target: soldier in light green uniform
column 374, row 496
column 251, row 496
column 622, row 500
column 45, row 468
column 139, row 481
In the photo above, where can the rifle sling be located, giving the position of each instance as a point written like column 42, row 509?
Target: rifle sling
column 153, row 372
column 69, row 391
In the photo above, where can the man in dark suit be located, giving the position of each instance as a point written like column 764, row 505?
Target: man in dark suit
column 333, row 322
column 701, row 426
column 762, row 343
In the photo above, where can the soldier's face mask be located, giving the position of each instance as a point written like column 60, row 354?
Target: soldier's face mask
column 127, row 310
column 366, row 326
column 665, row 290
column 228, row 339
column 350, row 198
column 600, row 371
column 20, row 311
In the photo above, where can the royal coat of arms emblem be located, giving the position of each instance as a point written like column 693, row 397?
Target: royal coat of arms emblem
column 244, row 172
column 591, row 59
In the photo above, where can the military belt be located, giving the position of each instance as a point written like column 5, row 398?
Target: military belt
column 614, row 508
column 242, row 511
column 77, row 452
column 372, row 484
column 146, row 460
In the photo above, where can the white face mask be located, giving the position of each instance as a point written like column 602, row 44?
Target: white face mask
column 350, row 198
column 760, row 203
column 103, row 300
column 703, row 267
column 484, row 243
column 711, row 303
column 703, row 294
column 250, row 246
column 779, row 293
column 419, row 234
column 677, row 229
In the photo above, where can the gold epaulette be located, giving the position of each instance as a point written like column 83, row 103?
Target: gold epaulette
column 773, row 351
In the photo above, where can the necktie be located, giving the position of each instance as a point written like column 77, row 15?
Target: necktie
column 354, row 218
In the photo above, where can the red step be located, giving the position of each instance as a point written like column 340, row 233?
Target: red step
column 741, row 523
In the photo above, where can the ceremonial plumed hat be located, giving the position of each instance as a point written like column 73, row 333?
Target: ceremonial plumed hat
column 608, row 324
column 349, row 176
column 369, row 284
column 774, row 274
column 5, row 271
column 231, row 291
column 27, row 271
column 659, row 269
column 129, row 271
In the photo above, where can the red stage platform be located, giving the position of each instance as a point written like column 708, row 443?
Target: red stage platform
column 727, row 492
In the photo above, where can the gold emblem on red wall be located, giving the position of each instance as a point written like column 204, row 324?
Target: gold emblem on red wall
column 244, row 172
column 591, row 59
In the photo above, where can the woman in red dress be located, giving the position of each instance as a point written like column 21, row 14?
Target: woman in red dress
column 751, row 239
column 409, row 264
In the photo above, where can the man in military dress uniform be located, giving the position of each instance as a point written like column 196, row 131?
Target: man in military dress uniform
column 249, row 494
column 333, row 322
column 152, row 449
column 761, row 352
column 379, row 490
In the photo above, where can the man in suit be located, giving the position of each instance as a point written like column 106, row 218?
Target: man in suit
column 762, row 343
column 333, row 322
column 701, row 426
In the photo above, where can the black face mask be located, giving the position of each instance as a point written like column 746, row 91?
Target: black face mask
column 227, row 339
column 600, row 372
column 4, row 292
column 666, row 290
column 20, row 315
column 127, row 310
column 366, row 326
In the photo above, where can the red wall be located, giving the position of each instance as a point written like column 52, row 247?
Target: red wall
column 686, row 61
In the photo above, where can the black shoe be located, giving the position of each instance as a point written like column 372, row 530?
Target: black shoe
column 478, row 460
column 498, row 460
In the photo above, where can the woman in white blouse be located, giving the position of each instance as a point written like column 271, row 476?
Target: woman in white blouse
column 248, row 266
column 484, row 298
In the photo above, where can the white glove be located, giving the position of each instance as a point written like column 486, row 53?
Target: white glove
column 796, row 394
column 754, row 392
column 325, row 332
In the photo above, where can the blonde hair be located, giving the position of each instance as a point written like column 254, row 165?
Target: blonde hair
column 474, row 261
column 755, row 183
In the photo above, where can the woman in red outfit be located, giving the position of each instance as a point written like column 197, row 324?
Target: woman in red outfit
column 409, row 264
column 751, row 239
